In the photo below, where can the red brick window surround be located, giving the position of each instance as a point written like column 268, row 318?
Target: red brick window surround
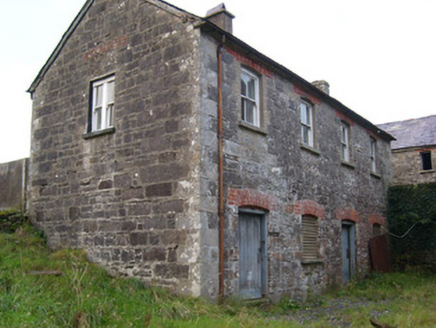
column 309, row 207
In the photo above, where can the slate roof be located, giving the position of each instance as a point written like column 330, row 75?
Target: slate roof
column 416, row 132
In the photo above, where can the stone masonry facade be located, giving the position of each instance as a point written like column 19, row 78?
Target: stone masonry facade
column 142, row 197
column 130, row 197
column 407, row 166
column 268, row 168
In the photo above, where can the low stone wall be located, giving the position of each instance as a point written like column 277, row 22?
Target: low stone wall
column 13, row 182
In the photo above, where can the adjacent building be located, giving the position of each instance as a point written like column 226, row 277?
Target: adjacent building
column 171, row 150
column 413, row 151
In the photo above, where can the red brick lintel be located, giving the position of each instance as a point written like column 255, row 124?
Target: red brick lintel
column 249, row 62
column 377, row 219
column 309, row 207
column 348, row 214
column 345, row 118
column 299, row 91
column 252, row 198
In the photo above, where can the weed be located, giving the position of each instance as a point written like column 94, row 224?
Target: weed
column 86, row 296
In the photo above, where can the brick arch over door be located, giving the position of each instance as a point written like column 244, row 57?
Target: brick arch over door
column 349, row 214
column 309, row 207
column 252, row 198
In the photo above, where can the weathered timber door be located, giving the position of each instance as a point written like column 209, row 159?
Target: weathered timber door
column 348, row 251
column 252, row 254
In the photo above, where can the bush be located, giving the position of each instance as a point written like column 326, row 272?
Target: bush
column 413, row 206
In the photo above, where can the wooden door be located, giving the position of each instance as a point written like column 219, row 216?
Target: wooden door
column 348, row 251
column 252, row 255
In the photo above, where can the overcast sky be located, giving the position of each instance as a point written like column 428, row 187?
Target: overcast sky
column 379, row 56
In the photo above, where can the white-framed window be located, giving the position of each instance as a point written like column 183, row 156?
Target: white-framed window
column 103, row 94
column 373, row 152
column 306, row 112
column 250, row 109
column 426, row 161
column 345, row 142
column 310, row 237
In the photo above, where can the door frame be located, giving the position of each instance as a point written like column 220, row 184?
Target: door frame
column 263, row 244
column 350, row 226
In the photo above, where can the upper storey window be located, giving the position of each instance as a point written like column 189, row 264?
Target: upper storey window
column 426, row 161
column 102, row 104
column 250, row 112
column 345, row 142
column 373, row 150
column 306, row 112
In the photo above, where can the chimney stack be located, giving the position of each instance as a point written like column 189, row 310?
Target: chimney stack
column 221, row 18
column 322, row 85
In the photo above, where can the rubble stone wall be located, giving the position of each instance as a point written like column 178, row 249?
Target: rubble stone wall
column 129, row 197
column 407, row 166
column 267, row 168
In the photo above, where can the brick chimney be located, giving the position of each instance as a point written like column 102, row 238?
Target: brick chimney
column 221, row 18
column 322, row 85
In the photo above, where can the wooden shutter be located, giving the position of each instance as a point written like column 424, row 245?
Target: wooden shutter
column 310, row 238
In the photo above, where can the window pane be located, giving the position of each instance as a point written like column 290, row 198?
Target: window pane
column 110, row 92
column 305, row 134
column 345, row 154
column 98, row 95
column 243, row 88
column 97, row 118
column 109, row 115
column 252, row 89
column 344, row 134
column 303, row 110
column 249, row 112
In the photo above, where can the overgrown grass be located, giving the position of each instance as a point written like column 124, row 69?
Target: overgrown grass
column 85, row 296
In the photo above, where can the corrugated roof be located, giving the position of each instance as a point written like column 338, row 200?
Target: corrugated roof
column 412, row 133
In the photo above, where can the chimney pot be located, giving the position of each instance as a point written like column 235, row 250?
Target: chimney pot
column 221, row 18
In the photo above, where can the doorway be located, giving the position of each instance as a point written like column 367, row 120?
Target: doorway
column 252, row 254
column 348, row 250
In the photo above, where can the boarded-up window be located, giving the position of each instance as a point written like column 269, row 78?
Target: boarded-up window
column 310, row 238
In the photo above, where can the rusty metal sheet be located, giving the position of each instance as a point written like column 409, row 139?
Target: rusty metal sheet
column 380, row 259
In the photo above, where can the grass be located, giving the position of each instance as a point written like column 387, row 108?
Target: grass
column 85, row 296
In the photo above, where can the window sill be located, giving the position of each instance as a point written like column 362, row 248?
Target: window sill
column 348, row 165
column 375, row 175
column 312, row 261
column 94, row 134
column 310, row 149
column 427, row 171
column 251, row 127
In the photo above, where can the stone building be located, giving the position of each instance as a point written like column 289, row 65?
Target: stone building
column 173, row 151
column 414, row 151
column 13, row 183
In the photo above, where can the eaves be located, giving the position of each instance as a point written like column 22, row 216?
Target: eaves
column 243, row 48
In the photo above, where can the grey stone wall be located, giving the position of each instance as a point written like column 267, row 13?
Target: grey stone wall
column 131, row 197
column 268, row 169
column 407, row 166
column 13, row 179
column 142, row 200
